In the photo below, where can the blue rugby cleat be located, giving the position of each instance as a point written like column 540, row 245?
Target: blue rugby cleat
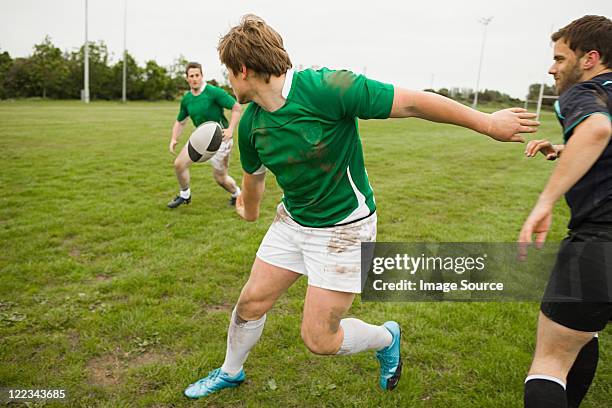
column 390, row 359
column 215, row 381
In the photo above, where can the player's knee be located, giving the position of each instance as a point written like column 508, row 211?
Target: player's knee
column 318, row 343
column 558, row 350
column 179, row 165
column 251, row 308
column 220, row 178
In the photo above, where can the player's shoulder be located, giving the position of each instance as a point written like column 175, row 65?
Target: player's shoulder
column 321, row 88
column 213, row 89
column 325, row 78
column 594, row 87
column 250, row 110
column 187, row 95
column 246, row 119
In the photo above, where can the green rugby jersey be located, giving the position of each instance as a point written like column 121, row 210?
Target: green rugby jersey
column 312, row 144
column 208, row 105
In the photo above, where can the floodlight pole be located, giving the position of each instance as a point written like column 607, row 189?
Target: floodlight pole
column 124, row 86
column 86, row 62
column 484, row 21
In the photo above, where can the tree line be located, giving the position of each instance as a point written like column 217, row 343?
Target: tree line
column 51, row 73
column 466, row 95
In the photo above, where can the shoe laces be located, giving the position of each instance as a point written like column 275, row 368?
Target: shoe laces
column 212, row 376
column 387, row 358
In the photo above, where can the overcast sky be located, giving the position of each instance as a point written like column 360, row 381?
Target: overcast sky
column 413, row 44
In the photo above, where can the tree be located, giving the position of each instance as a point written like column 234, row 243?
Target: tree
column 52, row 74
column 177, row 75
column 100, row 74
column 157, row 84
column 134, row 79
column 5, row 64
column 18, row 81
column 444, row 92
column 534, row 93
column 48, row 69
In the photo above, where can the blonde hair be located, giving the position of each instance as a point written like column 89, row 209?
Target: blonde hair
column 257, row 46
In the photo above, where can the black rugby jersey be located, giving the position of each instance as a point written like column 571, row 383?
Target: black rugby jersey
column 590, row 199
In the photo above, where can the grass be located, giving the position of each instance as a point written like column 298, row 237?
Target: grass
column 109, row 295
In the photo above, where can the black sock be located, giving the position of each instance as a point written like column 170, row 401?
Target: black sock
column 582, row 372
column 544, row 393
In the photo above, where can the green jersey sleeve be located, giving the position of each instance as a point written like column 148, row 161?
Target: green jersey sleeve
column 358, row 96
column 248, row 154
column 183, row 112
column 224, row 99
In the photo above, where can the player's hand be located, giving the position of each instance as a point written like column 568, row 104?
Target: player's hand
column 172, row 146
column 506, row 124
column 227, row 134
column 542, row 146
column 537, row 223
column 240, row 206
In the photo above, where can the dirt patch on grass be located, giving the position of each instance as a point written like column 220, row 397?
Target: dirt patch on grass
column 111, row 369
column 105, row 370
column 218, row 307
column 74, row 253
column 74, row 339
column 103, row 277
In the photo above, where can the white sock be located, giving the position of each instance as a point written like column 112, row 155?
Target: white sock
column 546, row 378
column 360, row 336
column 236, row 193
column 241, row 337
column 185, row 193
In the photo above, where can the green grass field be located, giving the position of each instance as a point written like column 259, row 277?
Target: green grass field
column 121, row 302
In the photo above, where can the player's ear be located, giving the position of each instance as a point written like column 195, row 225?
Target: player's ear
column 591, row 59
column 243, row 71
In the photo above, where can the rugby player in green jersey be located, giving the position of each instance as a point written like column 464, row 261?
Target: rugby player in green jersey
column 204, row 102
column 302, row 126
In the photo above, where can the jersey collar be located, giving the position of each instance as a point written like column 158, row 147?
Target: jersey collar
column 287, row 84
column 201, row 89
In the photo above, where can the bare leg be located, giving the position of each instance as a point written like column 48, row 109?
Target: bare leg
column 181, row 167
column 325, row 331
column 222, row 177
column 265, row 285
column 323, row 310
column 556, row 349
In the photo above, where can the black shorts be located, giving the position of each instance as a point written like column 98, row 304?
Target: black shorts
column 579, row 291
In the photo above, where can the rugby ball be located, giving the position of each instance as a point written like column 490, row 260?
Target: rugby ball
column 205, row 141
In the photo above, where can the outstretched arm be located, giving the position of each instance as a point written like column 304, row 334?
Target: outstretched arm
column 584, row 148
column 234, row 119
column 504, row 125
column 247, row 203
column 177, row 129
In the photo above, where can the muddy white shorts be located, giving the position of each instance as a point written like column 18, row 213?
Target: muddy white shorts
column 220, row 161
column 330, row 257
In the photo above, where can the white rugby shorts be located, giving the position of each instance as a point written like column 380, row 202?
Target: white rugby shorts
column 218, row 161
column 330, row 257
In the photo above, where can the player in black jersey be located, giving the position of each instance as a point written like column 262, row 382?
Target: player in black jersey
column 578, row 300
